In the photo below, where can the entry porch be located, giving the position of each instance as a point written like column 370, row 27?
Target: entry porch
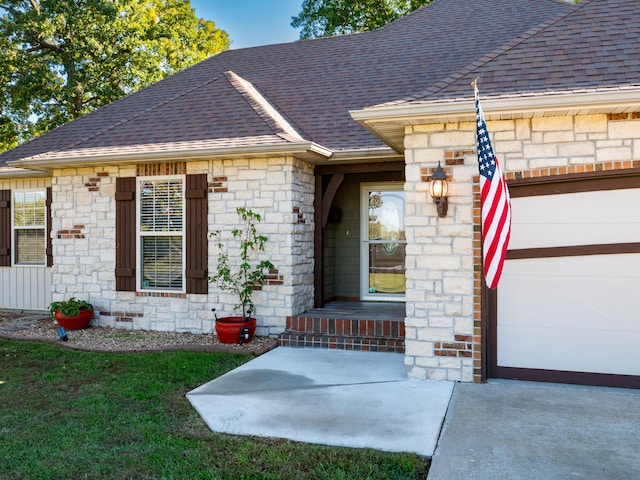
column 348, row 325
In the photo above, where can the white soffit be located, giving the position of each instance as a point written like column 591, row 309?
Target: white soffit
column 11, row 172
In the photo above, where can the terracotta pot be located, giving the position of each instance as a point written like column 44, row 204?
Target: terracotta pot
column 228, row 329
column 74, row 322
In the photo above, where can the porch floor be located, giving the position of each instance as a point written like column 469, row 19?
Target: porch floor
column 344, row 325
column 392, row 311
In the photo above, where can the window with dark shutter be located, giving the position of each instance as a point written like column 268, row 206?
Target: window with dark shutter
column 154, row 239
column 5, row 228
column 125, row 234
column 197, row 253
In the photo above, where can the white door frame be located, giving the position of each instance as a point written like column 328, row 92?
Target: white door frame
column 365, row 188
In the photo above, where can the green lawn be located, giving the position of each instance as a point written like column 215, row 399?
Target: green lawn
column 66, row 414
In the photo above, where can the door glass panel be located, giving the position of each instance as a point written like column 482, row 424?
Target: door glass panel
column 386, row 268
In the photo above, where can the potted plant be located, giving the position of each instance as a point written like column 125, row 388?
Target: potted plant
column 249, row 275
column 72, row 314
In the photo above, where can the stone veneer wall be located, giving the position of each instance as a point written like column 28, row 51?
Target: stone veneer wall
column 443, row 333
column 83, row 229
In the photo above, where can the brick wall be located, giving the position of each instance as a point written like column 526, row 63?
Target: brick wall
column 84, row 243
column 443, row 324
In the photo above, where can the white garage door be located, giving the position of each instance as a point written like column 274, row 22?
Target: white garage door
column 568, row 304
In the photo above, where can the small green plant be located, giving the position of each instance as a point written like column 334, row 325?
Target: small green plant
column 251, row 273
column 70, row 308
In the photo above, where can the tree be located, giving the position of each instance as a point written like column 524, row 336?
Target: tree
column 325, row 18
column 60, row 59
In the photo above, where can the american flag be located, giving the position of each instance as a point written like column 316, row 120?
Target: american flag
column 495, row 202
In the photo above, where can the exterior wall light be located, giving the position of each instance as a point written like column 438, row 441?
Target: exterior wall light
column 438, row 191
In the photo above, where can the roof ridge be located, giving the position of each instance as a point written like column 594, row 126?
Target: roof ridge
column 140, row 113
column 265, row 109
column 444, row 83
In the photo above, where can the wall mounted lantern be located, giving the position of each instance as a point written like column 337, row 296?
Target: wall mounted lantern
column 438, row 190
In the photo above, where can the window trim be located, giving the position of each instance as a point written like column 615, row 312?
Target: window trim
column 140, row 234
column 44, row 227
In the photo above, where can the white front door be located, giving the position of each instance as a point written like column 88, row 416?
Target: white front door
column 382, row 257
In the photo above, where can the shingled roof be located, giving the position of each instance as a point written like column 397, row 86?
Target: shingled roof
column 299, row 94
column 593, row 47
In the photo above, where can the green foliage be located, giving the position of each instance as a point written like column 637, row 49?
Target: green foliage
column 73, row 414
column 251, row 273
column 60, row 59
column 325, row 18
column 70, row 308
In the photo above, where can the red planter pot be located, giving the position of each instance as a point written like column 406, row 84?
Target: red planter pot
column 75, row 322
column 229, row 329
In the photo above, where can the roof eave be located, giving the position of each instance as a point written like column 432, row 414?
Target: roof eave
column 308, row 151
column 387, row 122
column 365, row 155
column 12, row 172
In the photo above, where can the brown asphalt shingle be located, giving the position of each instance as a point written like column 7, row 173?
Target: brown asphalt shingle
column 593, row 47
column 312, row 84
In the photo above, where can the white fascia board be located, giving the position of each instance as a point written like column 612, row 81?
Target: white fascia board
column 290, row 149
column 349, row 156
column 498, row 106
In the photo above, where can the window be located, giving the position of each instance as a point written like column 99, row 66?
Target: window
column 128, row 232
column 161, row 233
column 29, row 227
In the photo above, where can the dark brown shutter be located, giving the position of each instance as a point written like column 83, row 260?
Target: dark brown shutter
column 197, row 208
column 5, row 228
column 126, row 234
column 49, row 248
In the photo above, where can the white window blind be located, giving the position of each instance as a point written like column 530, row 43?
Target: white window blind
column 29, row 227
column 161, row 229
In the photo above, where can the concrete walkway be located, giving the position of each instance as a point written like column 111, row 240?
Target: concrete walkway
column 530, row 431
column 343, row 398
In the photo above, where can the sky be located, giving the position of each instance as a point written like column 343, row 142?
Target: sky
column 250, row 23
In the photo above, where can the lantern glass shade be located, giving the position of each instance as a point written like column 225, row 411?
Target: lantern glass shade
column 438, row 188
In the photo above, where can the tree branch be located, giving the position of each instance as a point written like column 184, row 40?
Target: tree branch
column 36, row 5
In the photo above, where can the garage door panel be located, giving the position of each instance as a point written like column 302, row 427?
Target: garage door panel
column 580, row 351
column 608, row 266
column 585, row 218
column 539, row 236
column 571, row 313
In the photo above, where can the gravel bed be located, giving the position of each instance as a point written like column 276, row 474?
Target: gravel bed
column 42, row 328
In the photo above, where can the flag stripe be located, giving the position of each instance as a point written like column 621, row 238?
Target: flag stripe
column 495, row 245
column 498, row 242
column 495, row 204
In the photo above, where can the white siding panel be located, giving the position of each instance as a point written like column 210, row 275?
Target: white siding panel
column 585, row 218
column 574, row 313
column 25, row 288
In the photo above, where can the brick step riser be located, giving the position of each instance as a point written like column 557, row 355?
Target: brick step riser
column 341, row 342
column 347, row 327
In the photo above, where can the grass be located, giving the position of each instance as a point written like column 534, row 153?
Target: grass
column 72, row 414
